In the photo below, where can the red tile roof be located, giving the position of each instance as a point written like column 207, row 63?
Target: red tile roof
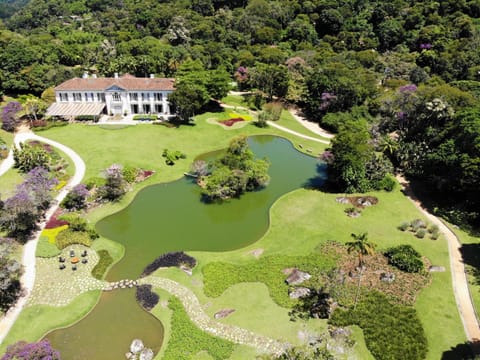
column 125, row 82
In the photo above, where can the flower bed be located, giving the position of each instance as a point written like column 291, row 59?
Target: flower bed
column 54, row 222
column 230, row 122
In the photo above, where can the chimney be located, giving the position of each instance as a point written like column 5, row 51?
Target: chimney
column 152, row 76
column 85, row 75
column 94, row 76
column 115, row 75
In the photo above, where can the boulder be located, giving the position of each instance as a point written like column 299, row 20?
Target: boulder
column 136, row 346
column 387, row 277
column 436, row 268
column 297, row 277
column 146, row 354
column 223, row 313
column 186, row 270
column 299, row 292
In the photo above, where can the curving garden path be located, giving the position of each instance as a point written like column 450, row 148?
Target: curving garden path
column 461, row 291
column 28, row 258
column 203, row 321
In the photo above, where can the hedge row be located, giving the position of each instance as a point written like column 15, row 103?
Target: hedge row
column 104, row 261
column 392, row 332
column 219, row 276
column 186, row 339
column 170, row 259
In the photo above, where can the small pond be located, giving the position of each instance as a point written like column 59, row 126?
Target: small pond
column 171, row 217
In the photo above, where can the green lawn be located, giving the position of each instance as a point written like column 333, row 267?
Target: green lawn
column 287, row 120
column 300, row 221
column 303, row 219
column 8, row 183
column 7, row 137
column 36, row 321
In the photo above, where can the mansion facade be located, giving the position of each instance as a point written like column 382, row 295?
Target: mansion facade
column 125, row 95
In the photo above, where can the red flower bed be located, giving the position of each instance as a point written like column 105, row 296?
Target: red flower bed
column 53, row 222
column 230, row 122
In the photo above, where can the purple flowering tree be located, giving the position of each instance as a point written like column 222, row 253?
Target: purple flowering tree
column 22, row 350
column 20, row 215
column 328, row 157
column 77, row 198
column 39, row 184
column 10, row 119
column 326, row 100
column 115, row 185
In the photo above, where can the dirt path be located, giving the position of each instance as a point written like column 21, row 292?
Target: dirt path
column 464, row 302
column 313, row 127
column 279, row 127
column 203, row 321
column 29, row 250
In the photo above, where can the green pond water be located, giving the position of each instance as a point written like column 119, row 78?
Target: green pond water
column 171, row 217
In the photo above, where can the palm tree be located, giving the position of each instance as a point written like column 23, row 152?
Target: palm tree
column 361, row 246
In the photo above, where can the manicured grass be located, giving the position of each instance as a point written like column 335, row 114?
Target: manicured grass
column 7, row 137
column 46, row 249
column 186, row 339
column 235, row 100
column 35, row 321
column 303, row 219
column 115, row 250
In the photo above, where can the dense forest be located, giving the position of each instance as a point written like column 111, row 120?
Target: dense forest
column 399, row 81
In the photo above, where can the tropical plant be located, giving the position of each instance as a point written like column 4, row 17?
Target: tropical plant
column 361, row 246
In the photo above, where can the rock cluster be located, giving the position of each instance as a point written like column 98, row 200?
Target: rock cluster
column 138, row 351
column 297, row 277
column 299, row 293
column 223, row 313
column 122, row 284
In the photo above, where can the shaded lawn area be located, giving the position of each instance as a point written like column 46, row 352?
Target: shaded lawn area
column 35, row 321
column 304, row 218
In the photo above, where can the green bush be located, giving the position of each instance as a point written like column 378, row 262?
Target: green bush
column 105, row 260
column 144, row 117
column 405, row 258
column 433, row 229
column 130, row 174
column 404, row 226
column 172, row 156
column 69, row 237
column 219, row 276
column 392, row 332
column 417, row 224
column 388, row 183
column 420, row 233
column 87, row 118
column 186, row 339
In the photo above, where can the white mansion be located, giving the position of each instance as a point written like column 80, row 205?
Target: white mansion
column 125, row 95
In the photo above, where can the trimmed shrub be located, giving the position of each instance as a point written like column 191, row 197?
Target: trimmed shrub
column 144, row 117
column 105, row 260
column 392, row 332
column 420, row 233
column 172, row 259
column 405, row 258
column 172, row 156
column 69, row 237
column 187, row 340
column 146, row 297
column 417, row 224
column 130, row 174
column 388, row 183
column 404, row 226
column 433, row 229
column 231, row 122
column 86, row 118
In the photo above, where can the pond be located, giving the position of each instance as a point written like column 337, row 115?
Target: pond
column 171, row 217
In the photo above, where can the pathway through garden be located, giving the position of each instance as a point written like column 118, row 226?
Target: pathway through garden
column 28, row 258
column 204, row 322
column 459, row 277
